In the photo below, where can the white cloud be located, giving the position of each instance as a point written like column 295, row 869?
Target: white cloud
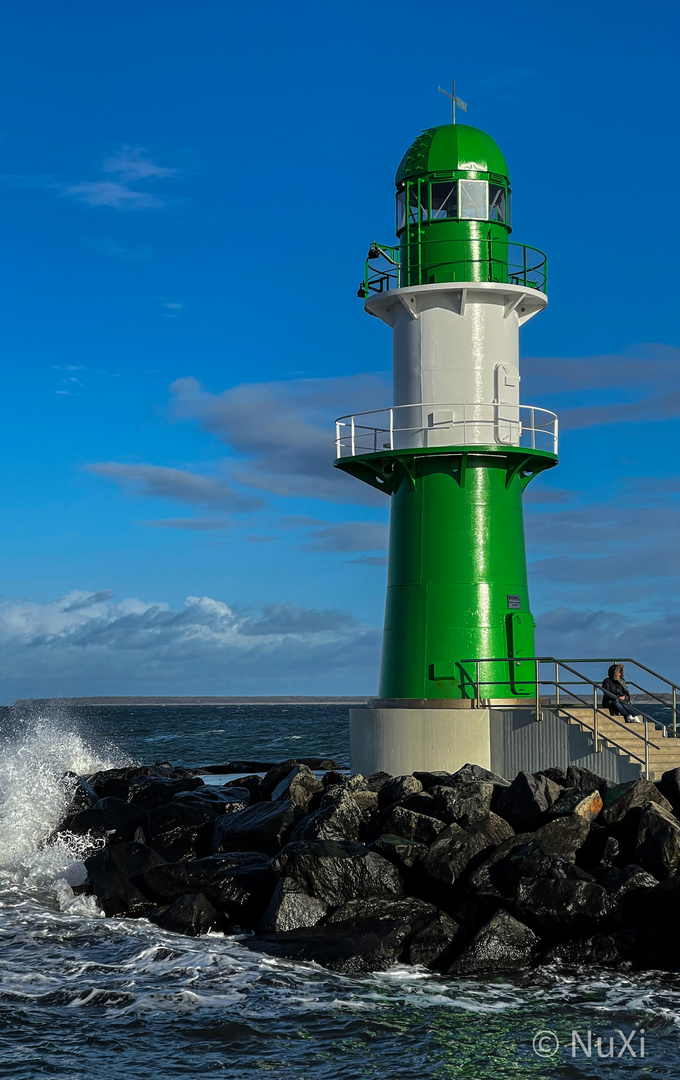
column 178, row 485
column 123, row 173
column 113, row 193
column 283, row 431
column 87, row 643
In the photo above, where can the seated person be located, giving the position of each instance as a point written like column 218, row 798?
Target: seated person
column 616, row 696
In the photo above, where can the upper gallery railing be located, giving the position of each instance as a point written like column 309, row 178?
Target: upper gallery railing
column 476, row 259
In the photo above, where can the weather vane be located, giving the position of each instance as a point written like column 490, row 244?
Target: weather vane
column 454, row 100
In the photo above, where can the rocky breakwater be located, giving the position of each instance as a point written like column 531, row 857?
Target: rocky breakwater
column 464, row 873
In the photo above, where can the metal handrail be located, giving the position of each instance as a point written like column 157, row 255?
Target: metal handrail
column 370, row 438
column 662, row 678
column 559, row 685
column 516, row 272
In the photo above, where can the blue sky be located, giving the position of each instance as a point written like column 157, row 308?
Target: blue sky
column 188, row 192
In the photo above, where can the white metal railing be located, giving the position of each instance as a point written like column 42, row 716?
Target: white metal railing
column 426, row 424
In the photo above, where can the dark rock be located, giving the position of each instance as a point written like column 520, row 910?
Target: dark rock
column 433, row 779
column 468, row 774
column 112, row 820
column 558, row 776
column 602, row 950
column 275, row 775
column 352, row 948
column 290, row 908
column 654, row 913
column 599, row 850
column 518, row 859
column 221, row 800
column 109, row 872
column 585, row 780
column 333, row 778
column 526, row 801
column 367, row 801
column 251, row 783
column 403, row 853
column 621, row 798
column 421, row 804
column 586, row 804
column 564, row 835
column 463, row 802
column 619, row 881
column 338, row 818
column 657, row 840
column 431, row 933
column 457, row 851
column 151, row 792
column 299, row 786
column 504, row 944
column 416, row 827
column 81, row 794
column 239, row 885
column 376, row 781
column 553, row 907
column 336, row 871
column 191, row 914
column 179, row 832
column 398, row 788
column 234, row 767
column 669, row 786
column 264, row 827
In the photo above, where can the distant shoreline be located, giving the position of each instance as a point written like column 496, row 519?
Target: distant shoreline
column 291, row 700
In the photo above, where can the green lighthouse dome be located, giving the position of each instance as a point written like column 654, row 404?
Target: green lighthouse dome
column 452, row 148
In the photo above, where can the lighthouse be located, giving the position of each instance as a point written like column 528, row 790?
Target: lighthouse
column 454, row 453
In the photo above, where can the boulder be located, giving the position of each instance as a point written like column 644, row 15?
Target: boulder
column 192, row 914
column 150, row 792
column 420, row 828
column 252, row 784
column 336, row 871
column 403, row 853
column 239, row 885
column 474, row 773
column 525, row 802
column 264, row 827
column 220, row 800
column 109, row 874
column 599, row 850
column 557, row 775
column 669, row 787
column 398, row 788
column 520, row 858
column 564, row 835
column 586, row 804
column 463, row 802
column 654, row 914
column 431, row 933
column 112, row 820
column 457, row 851
column 367, row 801
column 621, row 798
column 599, row 951
column 657, row 840
column 376, row 781
column 423, row 803
column 81, row 794
column 555, row 907
column 621, row 880
column 290, row 908
column 275, row 774
column 338, row 818
column 433, row 779
column 298, row 786
column 503, row 944
column 356, row 947
column 178, row 831
column 585, row 780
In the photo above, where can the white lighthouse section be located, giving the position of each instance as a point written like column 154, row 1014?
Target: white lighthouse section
column 455, row 371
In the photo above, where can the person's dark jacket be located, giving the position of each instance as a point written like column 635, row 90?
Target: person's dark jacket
column 613, row 690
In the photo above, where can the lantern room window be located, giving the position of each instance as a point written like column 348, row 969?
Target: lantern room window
column 497, row 203
column 444, row 201
column 401, row 210
column 474, row 200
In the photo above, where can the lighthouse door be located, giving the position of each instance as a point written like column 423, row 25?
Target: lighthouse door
column 508, row 428
column 519, row 626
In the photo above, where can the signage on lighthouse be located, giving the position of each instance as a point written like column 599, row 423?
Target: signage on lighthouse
column 453, row 452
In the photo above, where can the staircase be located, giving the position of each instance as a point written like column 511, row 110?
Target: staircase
column 628, row 739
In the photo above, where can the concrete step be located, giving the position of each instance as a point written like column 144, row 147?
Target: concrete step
column 628, row 740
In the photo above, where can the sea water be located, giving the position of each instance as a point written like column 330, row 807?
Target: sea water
column 83, row 997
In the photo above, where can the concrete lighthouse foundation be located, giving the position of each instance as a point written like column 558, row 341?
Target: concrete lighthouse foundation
column 507, row 740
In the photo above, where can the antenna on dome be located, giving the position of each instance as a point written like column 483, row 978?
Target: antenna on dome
column 454, row 100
